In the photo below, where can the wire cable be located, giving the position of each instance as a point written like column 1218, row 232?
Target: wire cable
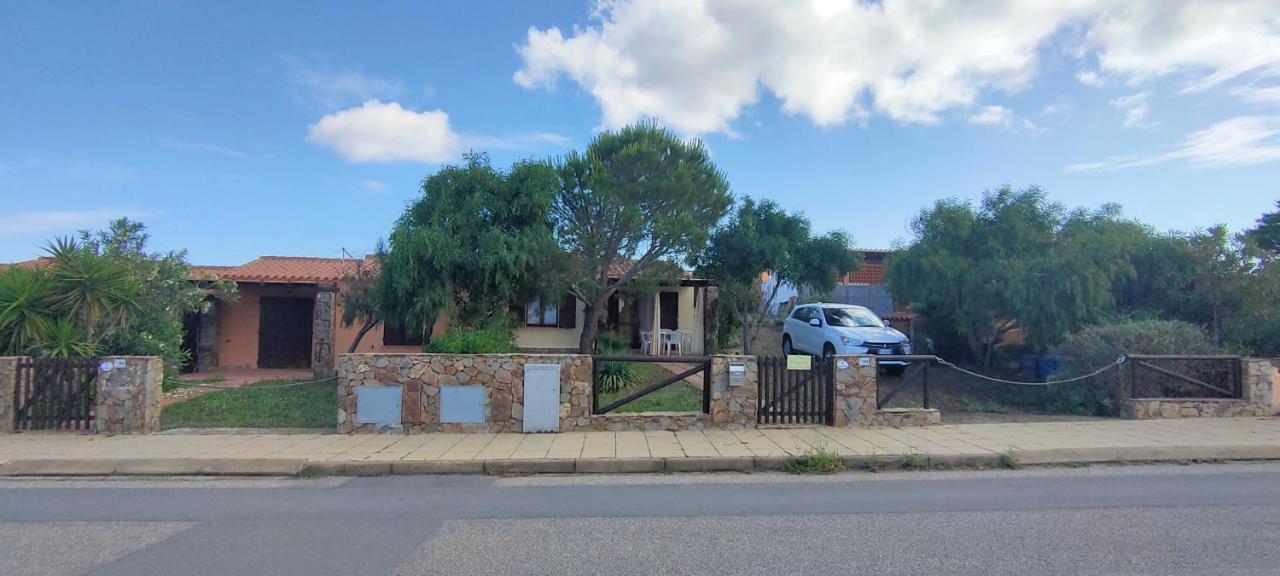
column 1118, row 362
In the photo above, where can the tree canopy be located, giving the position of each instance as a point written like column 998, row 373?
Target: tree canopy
column 477, row 240
column 762, row 238
column 1015, row 261
column 634, row 201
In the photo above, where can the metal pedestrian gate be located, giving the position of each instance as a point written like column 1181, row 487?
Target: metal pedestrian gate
column 55, row 393
column 795, row 396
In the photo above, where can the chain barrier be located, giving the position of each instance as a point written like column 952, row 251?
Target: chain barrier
column 182, row 384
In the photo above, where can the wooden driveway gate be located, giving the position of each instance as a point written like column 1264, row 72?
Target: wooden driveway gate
column 795, row 396
column 55, row 393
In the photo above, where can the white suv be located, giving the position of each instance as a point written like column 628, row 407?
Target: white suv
column 830, row 329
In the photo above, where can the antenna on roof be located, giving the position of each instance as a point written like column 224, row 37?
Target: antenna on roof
column 346, row 255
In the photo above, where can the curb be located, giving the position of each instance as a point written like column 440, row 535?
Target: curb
column 299, row 467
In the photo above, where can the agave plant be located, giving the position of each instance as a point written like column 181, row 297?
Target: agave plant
column 99, row 293
column 26, row 309
column 65, row 339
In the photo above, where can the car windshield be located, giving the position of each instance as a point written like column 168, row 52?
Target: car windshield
column 852, row 318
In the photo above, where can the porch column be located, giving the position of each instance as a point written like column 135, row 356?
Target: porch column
column 207, row 338
column 710, row 319
column 656, row 340
column 322, row 332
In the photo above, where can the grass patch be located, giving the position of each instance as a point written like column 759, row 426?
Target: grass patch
column 682, row 396
column 1008, row 460
column 259, row 405
column 817, row 460
column 914, row 461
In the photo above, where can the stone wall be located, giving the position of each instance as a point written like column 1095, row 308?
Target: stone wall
column 322, row 327
column 8, row 381
column 855, row 391
column 902, row 417
column 500, row 375
column 128, row 397
column 1259, row 379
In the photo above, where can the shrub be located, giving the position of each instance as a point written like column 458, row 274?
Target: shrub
column 496, row 339
column 1097, row 346
column 614, row 376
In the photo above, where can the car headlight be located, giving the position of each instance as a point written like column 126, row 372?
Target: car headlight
column 906, row 348
column 847, row 341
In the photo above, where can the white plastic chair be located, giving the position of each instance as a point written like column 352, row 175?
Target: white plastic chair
column 646, row 342
column 672, row 339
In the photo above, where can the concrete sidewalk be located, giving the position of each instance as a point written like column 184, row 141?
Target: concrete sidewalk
column 30, row 454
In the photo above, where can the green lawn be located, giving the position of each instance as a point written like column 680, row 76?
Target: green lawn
column 257, row 406
column 682, row 396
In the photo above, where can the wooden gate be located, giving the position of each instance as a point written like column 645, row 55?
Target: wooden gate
column 795, row 396
column 55, row 393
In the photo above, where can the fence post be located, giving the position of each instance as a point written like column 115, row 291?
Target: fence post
column 595, row 385
column 706, row 387
column 924, row 393
column 8, row 392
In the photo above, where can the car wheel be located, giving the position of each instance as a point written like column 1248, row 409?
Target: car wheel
column 786, row 345
column 828, row 350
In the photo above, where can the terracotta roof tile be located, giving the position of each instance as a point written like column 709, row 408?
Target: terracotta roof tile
column 865, row 274
column 279, row 269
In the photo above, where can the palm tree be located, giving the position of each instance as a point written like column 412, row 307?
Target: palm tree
column 26, row 309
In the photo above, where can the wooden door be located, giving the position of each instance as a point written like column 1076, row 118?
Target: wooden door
column 284, row 333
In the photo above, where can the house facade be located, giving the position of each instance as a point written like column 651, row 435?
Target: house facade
column 288, row 312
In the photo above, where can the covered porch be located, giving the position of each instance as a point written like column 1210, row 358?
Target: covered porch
column 670, row 320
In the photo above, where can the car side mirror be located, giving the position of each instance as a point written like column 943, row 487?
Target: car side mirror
column 887, row 322
column 815, row 322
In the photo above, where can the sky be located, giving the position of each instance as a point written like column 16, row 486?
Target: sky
column 239, row 129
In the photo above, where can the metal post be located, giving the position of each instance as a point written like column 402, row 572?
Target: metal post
column 924, row 376
column 706, row 387
column 595, row 386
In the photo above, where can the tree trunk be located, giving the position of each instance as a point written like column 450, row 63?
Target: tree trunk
column 368, row 325
column 590, row 326
column 747, row 342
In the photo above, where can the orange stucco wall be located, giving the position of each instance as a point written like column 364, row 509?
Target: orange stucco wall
column 238, row 324
column 238, row 327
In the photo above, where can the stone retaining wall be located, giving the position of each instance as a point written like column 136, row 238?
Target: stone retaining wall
column 8, row 380
column 902, row 417
column 1259, row 379
column 501, row 376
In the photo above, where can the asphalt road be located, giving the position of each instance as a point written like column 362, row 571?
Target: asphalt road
column 1210, row 519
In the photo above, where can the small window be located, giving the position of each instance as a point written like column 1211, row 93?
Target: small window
column 538, row 313
column 801, row 314
column 393, row 334
column 550, row 314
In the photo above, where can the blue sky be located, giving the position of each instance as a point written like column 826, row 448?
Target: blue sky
column 238, row 129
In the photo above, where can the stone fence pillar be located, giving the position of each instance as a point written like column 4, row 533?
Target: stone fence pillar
column 855, row 391
column 128, row 396
column 8, row 388
column 734, row 407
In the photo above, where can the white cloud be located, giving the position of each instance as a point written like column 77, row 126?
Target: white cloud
column 993, row 116
column 1052, row 109
column 697, row 66
column 1089, row 78
column 205, row 147
column 1135, row 109
column 1239, row 141
column 373, row 185
column 324, row 87
column 61, row 221
column 1266, row 95
column 385, row 132
column 516, row 141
